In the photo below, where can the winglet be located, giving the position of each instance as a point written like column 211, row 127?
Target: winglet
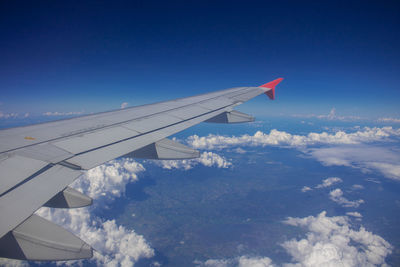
column 271, row 85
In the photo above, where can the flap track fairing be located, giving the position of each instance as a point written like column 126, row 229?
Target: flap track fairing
column 233, row 116
column 165, row 149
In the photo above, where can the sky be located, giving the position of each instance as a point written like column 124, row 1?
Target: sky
column 81, row 57
column 317, row 172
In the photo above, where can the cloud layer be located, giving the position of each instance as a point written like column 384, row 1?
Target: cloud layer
column 281, row 138
column 340, row 148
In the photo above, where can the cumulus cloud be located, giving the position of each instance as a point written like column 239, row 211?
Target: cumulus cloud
column 337, row 196
column 115, row 245
column 108, row 181
column 366, row 157
column 124, row 105
column 331, row 241
column 329, row 182
column 281, row 138
column 208, row 159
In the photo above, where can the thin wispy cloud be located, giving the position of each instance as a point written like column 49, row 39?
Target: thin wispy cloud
column 330, row 116
column 389, row 120
column 8, row 115
column 367, row 158
column 57, row 113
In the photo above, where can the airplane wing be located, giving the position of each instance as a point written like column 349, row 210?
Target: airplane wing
column 38, row 162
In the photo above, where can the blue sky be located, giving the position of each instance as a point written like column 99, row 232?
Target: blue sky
column 92, row 56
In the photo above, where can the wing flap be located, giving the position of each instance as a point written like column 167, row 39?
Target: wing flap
column 233, row 116
column 165, row 149
column 69, row 198
column 39, row 239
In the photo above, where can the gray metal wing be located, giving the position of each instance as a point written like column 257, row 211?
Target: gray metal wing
column 38, row 162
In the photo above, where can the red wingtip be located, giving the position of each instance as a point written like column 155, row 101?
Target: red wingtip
column 271, row 85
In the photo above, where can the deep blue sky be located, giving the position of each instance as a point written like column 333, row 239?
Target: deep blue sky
column 92, row 56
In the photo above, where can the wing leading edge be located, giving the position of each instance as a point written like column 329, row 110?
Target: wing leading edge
column 38, row 162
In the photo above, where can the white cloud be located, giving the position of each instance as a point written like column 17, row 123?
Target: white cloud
column 213, row 263
column 240, row 150
column 208, row 159
column 124, row 105
column 245, row 261
column 329, row 182
column 337, row 196
column 8, row 115
column 331, row 241
column 109, row 180
column 13, row 263
column 372, row 180
column 57, row 113
column 354, row 214
column 366, row 157
column 390, row 170
column 357, row 187
column 115, row 244
column 350, row 149
column 305, row 189
column 281, row 138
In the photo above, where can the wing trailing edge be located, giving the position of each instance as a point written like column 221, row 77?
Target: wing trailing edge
column 39, row 239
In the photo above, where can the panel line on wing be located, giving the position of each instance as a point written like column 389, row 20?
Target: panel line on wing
column 42, row 170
